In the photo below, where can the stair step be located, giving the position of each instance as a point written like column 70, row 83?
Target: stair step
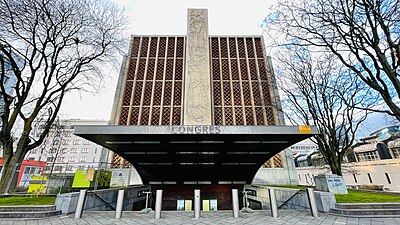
column 27, row 208
column 365, row 212
column 30, row 214
column 381, row 205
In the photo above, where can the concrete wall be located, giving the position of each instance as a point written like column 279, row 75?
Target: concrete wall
column 376, row 169
column 275, row 176
column 67, row 202
column 278, row 176
column 125, row 176
column 290, row 198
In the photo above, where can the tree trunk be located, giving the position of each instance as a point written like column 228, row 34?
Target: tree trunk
column 11, row 162
column 336, row 168
column 8, row 179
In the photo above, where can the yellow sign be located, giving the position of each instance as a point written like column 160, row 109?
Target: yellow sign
column 304, row 129
column 90, row 174
column 188, row 205
column 206, row 205
column 37, row 184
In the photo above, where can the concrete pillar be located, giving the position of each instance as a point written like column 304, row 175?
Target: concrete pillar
column 273, row 204
column 313, row 202
column 196, row 204
column 120, row 204
column 235, row 203
column 157, row 214
column 80, row 205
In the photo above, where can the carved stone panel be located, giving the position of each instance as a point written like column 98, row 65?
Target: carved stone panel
column 197, row 104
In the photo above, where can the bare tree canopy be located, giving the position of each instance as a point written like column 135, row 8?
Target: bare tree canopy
column 363, row 34
column 317, row 91
column 64, row 44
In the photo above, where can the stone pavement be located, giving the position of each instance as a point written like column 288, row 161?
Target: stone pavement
column 219, row 217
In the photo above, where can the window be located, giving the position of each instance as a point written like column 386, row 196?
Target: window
column 69, row 168
column 86, row 142
column 368, row 156
column 61, row 159
column 81, row 167
column 74, row 150
column 34, row 151
column 72, row 159
column 388, row 178
column 49, row 159
column 396, row 152
column 77, row 142
column 68, row 134
column 29, row 170
column 369, row 177
column 66, row 142
column 5, row 79
column 53, row 150
column 355, row 178
column 58, row 168
column 64, row 150
column 84, row 150
column 56, row 142
column 95, row 151
column 83, row 159
column 31, row 158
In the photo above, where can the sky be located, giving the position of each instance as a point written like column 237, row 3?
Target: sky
column 167, row 17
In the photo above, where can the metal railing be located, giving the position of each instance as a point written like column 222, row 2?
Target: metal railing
column 58, row 177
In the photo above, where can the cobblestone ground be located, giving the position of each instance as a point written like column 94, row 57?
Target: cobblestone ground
column 219, row 217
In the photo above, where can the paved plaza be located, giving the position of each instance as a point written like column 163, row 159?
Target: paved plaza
column 219, row 217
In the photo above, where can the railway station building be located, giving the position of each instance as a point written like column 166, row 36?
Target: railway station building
column 197, row 111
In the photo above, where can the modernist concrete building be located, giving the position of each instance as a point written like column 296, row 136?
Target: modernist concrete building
column 196, row 111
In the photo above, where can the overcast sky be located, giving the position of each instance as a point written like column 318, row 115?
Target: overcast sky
column 168, row 17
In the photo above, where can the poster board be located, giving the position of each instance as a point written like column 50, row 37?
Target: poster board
column 206, row 205
column 188, row 205
column 213, row 205
column 180, row 205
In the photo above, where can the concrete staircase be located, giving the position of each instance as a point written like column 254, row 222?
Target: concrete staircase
column 28, row 211
column 367, row 209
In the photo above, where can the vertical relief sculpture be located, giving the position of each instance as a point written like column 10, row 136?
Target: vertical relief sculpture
column 197, row 107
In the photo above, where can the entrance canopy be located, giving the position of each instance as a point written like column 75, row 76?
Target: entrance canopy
column 196, row 154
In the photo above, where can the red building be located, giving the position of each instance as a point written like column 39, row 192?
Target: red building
column 27, row 169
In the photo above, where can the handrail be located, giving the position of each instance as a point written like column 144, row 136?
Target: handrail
column 108, row 204
column 297, row 192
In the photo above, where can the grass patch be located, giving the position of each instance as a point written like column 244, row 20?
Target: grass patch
column 27, row 200
column 365, row 197
column 359, row 196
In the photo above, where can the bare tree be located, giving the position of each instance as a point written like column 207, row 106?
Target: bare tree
column 363, row 34
column 316, row 88
column 64, row 44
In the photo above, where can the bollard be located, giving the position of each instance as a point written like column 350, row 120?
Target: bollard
column 80, row 205
column 273, row 204
column 120, row 204
column 313, row 203
column 196, row 204
column 235, row 203
column 157, row 214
